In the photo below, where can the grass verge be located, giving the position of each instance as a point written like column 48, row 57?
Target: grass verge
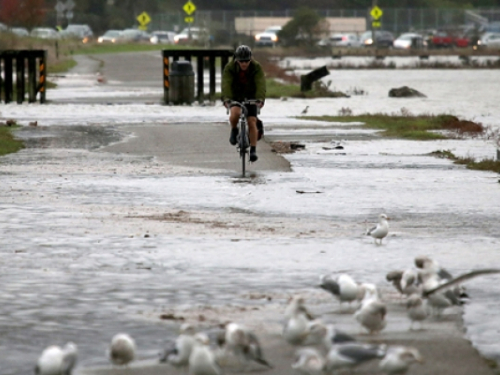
column 8, row 144
column 470, row 163
column 419, row 128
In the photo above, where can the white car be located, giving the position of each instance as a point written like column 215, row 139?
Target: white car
column 489, row 40
column 409, row 40
column 110, row 36
column 162, row 37
column 269, row 37
column 198, row 35
column 340, row 40
column 44, row 33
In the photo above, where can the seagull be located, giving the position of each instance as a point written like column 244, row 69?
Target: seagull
column 399, row 359
column 440, row 295
column 416, row 307
column 202, row 360
column 405, row 281
column 371, row 314
column 55, row 360
column 304, row 111
column 308, row 361
column 380, row 231
column 351, row 355
column 122, row 349
column 327, row 335
column 297, row 304
column 178, row 354
column 244, row 344
column 344, row 288
column 298, row 325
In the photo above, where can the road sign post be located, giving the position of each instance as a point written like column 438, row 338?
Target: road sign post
column 143, row 19
column 189, row 8
column 376, row 14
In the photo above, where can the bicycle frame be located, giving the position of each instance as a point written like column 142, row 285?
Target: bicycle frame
column 243, row 140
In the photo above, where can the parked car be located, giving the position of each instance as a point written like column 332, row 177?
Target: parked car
column 134, row 35
column 193, row 35
column 19, row 31
column 110, row 36
column 268, row 38
column 340, row 40
column 82, row 32
column 409, row 40
column 382, row 38
column 441, row 39
column 489, row 40
column 44, row 33
column 162, row 37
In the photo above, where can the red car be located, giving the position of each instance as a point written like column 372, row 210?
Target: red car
column 442, row 39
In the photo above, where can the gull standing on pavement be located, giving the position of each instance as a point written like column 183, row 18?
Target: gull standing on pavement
column 202, row 360
column 381, row 230
column 178, row 354
column 122, row 349
column 351, row 355
column 399, row 359
column 55, row 360
column 344, row 288
column 371, row 314
column 308, row 361
column 243, row 343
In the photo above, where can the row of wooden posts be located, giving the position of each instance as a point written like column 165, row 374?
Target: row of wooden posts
column 22, row 72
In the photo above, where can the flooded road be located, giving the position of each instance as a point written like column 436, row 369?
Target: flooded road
column 97, row 239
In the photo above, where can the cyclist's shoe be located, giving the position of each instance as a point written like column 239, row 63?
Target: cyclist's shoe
column 233, row 139
column 253, row 155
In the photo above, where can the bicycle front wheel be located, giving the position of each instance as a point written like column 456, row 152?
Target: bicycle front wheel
column 243, row 146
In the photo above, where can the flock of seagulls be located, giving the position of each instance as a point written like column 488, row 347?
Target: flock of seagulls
column 320, row 348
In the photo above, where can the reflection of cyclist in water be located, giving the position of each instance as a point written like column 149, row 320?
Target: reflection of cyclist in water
column 243, row 78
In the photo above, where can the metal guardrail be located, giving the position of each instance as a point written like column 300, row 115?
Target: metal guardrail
column 29, row 75
column 202, row 56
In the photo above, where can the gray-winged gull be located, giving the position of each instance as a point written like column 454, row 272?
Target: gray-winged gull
column 399, row 359
column 308, row 361
column 122, row 349
column 351, row 355
column 55, row 360
column 326, row 335
column 244, row 343
column 381, row 230
column 406, row 281
column 202, row 360
column 178, row 354
column 371, row 314
column 344, row 288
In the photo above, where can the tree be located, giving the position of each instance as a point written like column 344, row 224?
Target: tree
column 27, row 13
column 305, row 28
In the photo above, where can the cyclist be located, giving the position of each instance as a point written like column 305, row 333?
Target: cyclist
column 243, row 78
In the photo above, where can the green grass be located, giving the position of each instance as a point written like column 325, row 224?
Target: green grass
column 470, row 163
column 61, row 67
column 8, row 144
column 406, row 127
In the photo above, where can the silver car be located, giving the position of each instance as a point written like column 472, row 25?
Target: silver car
column 489, row 40
column 340, row 40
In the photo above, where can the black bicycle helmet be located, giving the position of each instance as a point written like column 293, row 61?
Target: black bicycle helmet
column 243, row 53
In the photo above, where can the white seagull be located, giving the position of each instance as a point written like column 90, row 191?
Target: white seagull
column 55, row 360
column 351, row 355
column 326, row 335
column 178, row 354
column 371, row 314
column 243, row 343
column 308, row 361
column 405, row 281
column 381, row 230
column 344, row 288
column 202, row 360
column 399, row 359
column 122, row 349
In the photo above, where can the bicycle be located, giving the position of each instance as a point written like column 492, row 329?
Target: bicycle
column 243, row 142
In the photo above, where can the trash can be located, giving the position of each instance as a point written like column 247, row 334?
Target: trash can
column 181, row 80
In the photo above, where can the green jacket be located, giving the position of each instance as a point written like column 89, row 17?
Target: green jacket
column 233, row 89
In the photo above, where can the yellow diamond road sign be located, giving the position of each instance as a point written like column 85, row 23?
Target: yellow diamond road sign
column 189, row 8
column 143, row 18
column 376, row 12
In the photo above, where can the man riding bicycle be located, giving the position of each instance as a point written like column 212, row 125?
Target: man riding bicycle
column 243, row 78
